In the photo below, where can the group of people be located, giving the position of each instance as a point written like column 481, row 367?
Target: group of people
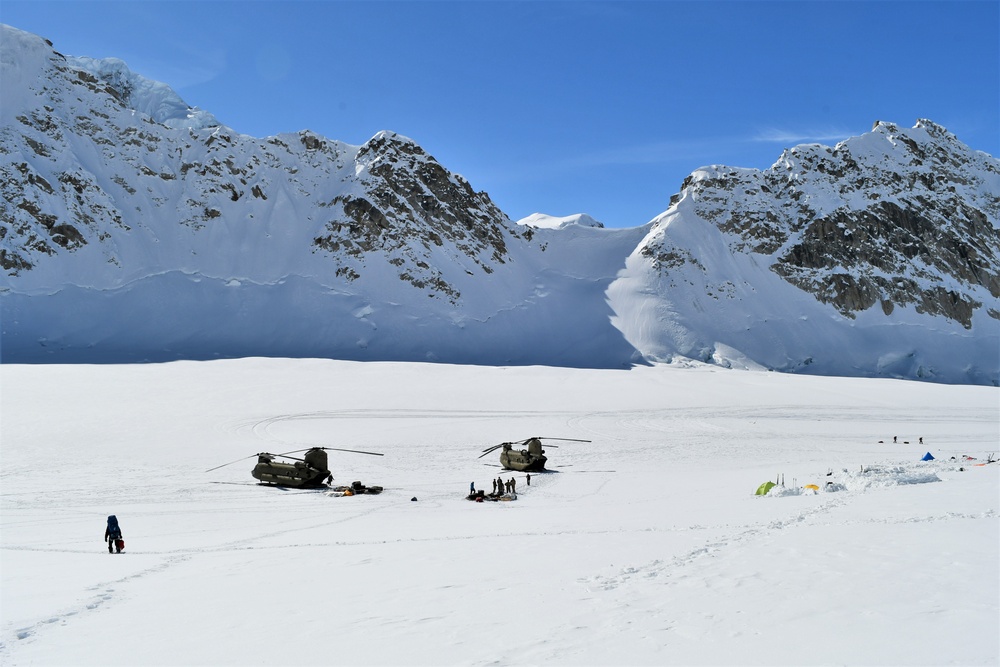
column 500, row 487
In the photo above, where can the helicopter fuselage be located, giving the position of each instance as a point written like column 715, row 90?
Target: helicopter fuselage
column 311, row 471
column 531, row 459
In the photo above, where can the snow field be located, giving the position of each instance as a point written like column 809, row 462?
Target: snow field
column 646, row 546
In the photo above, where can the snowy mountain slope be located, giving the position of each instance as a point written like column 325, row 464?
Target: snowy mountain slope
column 136, row 229
column 543, row 221
column 133, row 227
column 878, row 256
column 134, row 197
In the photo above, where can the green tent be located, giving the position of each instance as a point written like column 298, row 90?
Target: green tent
column 764, row 488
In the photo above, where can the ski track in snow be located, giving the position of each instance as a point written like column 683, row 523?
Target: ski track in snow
column 105, row 593
column 659, row 570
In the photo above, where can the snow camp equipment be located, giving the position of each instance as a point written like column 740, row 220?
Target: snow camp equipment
column 531, row 459
column 120, row 545
column 309, row 471
column 764, row 488
column 481, row 496
column 927, row 457
column 355, row 489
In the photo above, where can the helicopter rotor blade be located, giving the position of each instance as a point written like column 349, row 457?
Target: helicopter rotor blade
column 232, row 462
column 294, row 451
column 353, row 451
column 293, row 458
column 540, row 437
column 333, row 449
column 490, row 449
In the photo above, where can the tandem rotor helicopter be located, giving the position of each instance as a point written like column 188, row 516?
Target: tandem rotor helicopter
column 531, row 459
column 309, row 471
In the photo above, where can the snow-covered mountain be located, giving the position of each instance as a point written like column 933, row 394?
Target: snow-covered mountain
column 133, row 227
column 879, row 255
column 543, row 221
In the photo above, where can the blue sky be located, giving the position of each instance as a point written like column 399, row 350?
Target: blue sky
column 560, row 107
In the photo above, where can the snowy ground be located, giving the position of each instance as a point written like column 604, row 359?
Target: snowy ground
column 645, row 547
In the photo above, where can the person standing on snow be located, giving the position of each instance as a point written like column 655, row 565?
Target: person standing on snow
column 112, row 534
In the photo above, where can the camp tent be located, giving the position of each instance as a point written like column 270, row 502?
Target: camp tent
column 927, row 457
column 764, row 488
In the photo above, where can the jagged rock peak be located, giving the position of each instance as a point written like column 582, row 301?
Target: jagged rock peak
column 386, row 141
column 893, row 218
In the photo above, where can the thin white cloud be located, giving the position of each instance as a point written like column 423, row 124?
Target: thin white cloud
column 659, row 152
column 786, row 137
column 691, row 152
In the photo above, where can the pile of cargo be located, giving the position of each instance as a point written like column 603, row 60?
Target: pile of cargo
column 355, row 489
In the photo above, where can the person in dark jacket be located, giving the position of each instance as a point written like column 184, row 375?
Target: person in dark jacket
column 112, row 534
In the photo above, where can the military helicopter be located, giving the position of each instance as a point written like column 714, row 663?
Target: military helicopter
column 309, row 471
column 531, row 459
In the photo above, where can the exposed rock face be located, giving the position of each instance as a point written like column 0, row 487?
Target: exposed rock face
column 410, row 206
column 82, row 170
column 894, row 218
column 880, row 255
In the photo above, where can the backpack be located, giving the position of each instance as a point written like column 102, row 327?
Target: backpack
column 113, row 529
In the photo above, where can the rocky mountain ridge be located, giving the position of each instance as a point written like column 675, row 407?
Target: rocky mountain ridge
column 894, row 228
column 133, row 227
column 889, row 219
column 87, row 174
